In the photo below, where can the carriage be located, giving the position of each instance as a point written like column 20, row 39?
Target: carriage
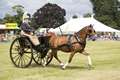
column 22, row 51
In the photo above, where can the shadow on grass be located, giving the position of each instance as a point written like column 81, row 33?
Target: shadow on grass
column 58, row 66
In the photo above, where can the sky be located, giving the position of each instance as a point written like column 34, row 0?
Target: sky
column 78, row 7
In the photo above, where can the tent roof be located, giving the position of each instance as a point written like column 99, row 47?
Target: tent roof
column 75, row 25
column 2, row 26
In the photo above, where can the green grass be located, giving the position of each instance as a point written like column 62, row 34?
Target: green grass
column 105, row 56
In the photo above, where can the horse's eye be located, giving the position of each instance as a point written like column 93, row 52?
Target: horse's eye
column 90, row 31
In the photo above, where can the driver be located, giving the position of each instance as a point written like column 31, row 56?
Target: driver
column 28, row 31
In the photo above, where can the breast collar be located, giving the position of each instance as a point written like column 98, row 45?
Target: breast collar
column 78, row 39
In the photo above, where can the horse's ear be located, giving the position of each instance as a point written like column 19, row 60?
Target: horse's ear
column 90, row 25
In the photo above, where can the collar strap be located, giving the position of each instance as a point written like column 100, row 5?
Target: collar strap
column 78, row 39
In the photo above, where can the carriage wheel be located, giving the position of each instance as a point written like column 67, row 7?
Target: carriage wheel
column 40, row 57
column 21, row 52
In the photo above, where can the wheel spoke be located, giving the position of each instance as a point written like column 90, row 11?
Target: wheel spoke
column 35, row 53
column 45, row 57
column 38, row 59
column 15, row 45
column 36, row 56
column 24, row 60
column 26, row 52
column 14, row 53
column 18, row 43
column 27, row 56
column 21, row 62
column 26, row 49
column 17, row 59
column 14, row 49
column 43, row 60
column 15, row 56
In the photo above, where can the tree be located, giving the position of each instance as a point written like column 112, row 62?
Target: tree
column 65, row 20
column 14, row 18
column 87, row 15
column 50, row 15
column 107, row 12
column 8, row 18
column 18, row 9
column 32, row 21
column 1, row 21
column 18, row 18
column 75, row 16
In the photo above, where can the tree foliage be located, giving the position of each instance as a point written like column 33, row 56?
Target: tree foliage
column 1, row 21
column 87, row 15
column 75, row 16
column 18, row 18
column 50, row 15
column 107, row 12
column 18, row 9
column 14, row 18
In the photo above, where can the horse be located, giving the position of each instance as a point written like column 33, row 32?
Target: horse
column 76, row 43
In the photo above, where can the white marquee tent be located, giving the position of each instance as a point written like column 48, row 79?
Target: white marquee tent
column 74, row 25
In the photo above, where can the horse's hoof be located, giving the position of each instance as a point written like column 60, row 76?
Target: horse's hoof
column 63, row 68
column 89, row 65
column 43, row 65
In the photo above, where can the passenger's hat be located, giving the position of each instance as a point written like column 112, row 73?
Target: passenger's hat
column 26, row 17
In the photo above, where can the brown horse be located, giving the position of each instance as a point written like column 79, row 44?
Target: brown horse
column 76, row 42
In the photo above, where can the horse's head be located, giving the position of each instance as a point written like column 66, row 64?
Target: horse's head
column 91, row 32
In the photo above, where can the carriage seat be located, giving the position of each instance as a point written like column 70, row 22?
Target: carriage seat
column 22, row 36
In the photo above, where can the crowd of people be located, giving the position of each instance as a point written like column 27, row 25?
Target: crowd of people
column 106, row 37
column 5, row 37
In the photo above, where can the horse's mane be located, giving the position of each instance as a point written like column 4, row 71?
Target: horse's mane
column 82, row 29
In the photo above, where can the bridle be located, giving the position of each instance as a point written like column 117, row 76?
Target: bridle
column 90, row 31
column 90, row 35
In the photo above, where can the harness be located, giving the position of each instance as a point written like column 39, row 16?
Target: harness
column 77, row 38
column 71, row 44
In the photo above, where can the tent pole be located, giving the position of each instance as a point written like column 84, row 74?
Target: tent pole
column 61, row 31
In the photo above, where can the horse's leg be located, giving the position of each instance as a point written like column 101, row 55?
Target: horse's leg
column 85, row 53
column 55, row 55
column 47, row 59
column 70, row 59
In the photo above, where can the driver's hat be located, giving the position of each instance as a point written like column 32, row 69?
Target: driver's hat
column 26, row 17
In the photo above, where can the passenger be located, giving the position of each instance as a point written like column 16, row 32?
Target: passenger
column 29, row 31
column 43, row 33
column 52, row 34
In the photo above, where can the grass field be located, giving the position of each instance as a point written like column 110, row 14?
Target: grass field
column 105, row 56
